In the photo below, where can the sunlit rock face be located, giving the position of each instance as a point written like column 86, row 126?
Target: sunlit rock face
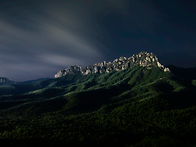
column 71, row 70
column 144, row 59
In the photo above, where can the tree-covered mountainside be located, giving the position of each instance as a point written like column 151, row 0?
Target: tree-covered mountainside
column 134, row 107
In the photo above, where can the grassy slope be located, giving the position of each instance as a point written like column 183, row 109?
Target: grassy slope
column 134, row 101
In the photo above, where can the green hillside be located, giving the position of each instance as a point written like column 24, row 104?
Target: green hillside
column 134, row 107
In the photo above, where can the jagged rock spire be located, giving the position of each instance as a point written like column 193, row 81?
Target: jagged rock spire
column 144, row 59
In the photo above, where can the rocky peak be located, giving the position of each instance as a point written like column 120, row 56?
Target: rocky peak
column 144, row 59
column 4, row 81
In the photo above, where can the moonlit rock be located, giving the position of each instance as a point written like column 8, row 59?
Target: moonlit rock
column 123, row 67
column 115, row 60
column 96, row 69
column 166, row 69
column 88, row 71
column 59, row 74
column 159, row 64
column 133, row 59
column 148, row 60
column 109, row 63
column 121, row 58
column 107, row 70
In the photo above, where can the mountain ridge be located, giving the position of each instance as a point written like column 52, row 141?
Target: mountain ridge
column 4, row 80
column 101, row 107
column 144, row 59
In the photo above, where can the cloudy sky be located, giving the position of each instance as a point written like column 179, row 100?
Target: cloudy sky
column 38, row 38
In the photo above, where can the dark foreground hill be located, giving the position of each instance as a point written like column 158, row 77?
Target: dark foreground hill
column 132, row 107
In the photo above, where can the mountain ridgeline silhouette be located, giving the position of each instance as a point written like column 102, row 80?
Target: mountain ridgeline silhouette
column 144, row 59
column 124, row 100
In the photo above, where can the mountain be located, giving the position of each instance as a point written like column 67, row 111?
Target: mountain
column 185, row 73
column 129, row 102
column 4, row 81
column 33, row 80
column 144, row 59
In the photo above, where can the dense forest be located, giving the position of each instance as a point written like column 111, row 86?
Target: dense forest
column 130, row 108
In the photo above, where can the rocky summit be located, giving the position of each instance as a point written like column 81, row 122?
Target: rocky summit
column 4, row 81
column 144, row 59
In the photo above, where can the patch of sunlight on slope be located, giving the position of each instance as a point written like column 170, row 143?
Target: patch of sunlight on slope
column 72, row 92
column 121, row 81
column 31, row 102
column 144, row 99
column 16, row 107
column 41, row 89
column 145, row 96
column 36, row 91
column 6, row 95
column 51, row 85
column 7, row 86
column 151, row 83
column 181, row 88
column 194, row 82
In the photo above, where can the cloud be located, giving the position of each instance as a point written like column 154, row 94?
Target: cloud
column 56, row 27
column 60, row 60
column 50, row 35
column 68, row 27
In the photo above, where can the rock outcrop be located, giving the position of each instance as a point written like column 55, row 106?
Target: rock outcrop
column 144, row 59
column 4, row 81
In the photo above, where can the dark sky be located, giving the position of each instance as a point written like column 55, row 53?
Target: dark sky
column 38, row 38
